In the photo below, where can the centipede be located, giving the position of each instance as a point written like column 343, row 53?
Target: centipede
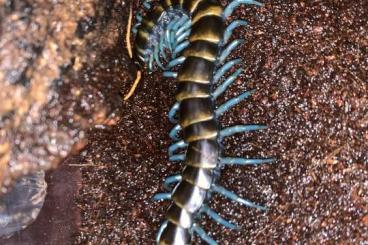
column 190, row 41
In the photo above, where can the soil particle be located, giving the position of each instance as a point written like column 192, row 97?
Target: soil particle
column 308, row 62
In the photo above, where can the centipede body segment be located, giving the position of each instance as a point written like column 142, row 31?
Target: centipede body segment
column 189, row 41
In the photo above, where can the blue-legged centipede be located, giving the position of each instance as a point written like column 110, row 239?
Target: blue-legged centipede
column 192, row 35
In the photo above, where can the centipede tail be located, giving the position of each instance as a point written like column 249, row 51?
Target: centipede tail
column 192, row 35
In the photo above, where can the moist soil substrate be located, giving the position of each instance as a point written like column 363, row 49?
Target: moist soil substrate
column 308, row 62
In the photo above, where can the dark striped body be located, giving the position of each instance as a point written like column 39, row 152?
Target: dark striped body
column 188, row 40
column 196, row 113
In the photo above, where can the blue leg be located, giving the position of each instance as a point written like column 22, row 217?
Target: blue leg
column 217, row 218
column 160, row 230
column 244, row 161
column 177, row 158
column 236, row 3
column 232, row 102
column 175, row 28
column 203, row 235
column 221, row 89
column 229, row 48
column 174, row 109
column 162, row 47
column 162, row 196
column 229, row 30
column 146, row 5
column 157, row 59
column 175, row 62
column 220, row 72
column 150, row 62
column 182, row 36
column 178, row 145
column 134, row 29
column 239, row 129
column 174, row 132
column 170, row 74
column 181, row 47
column 168, row 34
column 139, row 17
column 171, row 180
column 182, row 29
column 232, row 196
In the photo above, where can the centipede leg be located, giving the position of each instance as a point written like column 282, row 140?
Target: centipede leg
column 227, row 66
column 178, row 145
column 221, row 89
column 236, row 3
column 171, row 180
column 181, row 47
column 232, row 102
column 239, row 129
column 244, row 161
column 205, row 209
column 177, row 158
column 175, row 62
column 174, row 109
column 174, row 132
column 162, row 196
column 203, row 235
column 147, row 4
column 157, row 58
column 170, row 74
column 232, row 196
column 229, row 30
column 184, row 28
column 160, row 230
column 229, row 48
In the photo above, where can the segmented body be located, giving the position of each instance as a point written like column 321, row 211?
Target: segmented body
column 193, row 33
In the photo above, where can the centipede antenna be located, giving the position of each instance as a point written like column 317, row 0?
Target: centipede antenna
column 222, row 88
column 205, row 209
column 172, row 180
column 229, row 48
column 178, row 145
column 244, row 161
column 174, row 132
column 227, row 66
column 129, row 27
column 229, row 30
column 203, row 235
column 162, row 196
column 236, row 3
column 232, row 102
column 232, row 196
column 177, row 158
column 239, row 129
column 134, row 86
column 172, row 113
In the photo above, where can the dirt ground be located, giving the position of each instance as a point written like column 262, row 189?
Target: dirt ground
column 308, row 62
